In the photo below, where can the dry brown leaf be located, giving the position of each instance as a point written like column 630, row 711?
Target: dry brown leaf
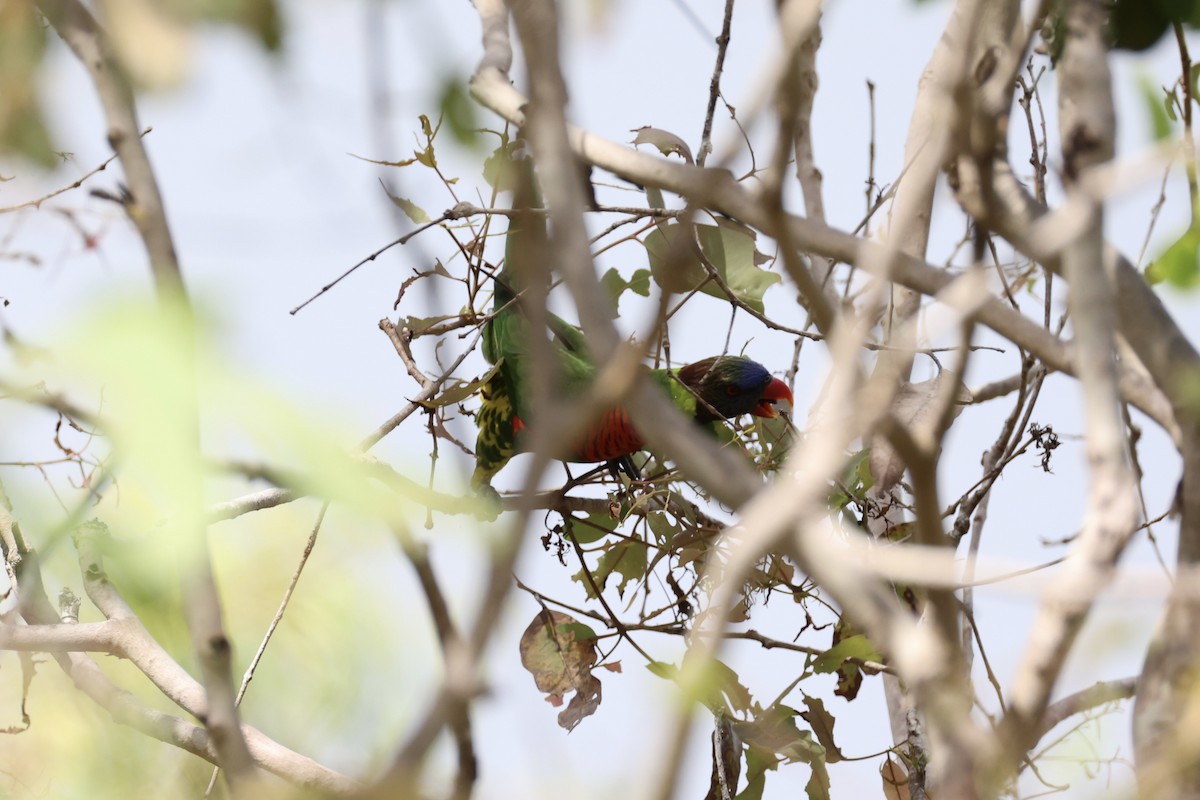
column 665, row 141
column 821, row 722
column 560, row 651
column 895, row 781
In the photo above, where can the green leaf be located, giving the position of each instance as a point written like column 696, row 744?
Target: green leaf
column 26, row 133
column 455, row 391
column 22, row 44
column 1137, row 24
column 775, row 437
column 410, row 209
column 264, row 19
column 774, row 730
column 1176, row 10
column 159, row 374
column 663, row 527
column 727, row 246
column 663, row 669
column 1178, row 263
column 1140, row 24
column 616, row 285
column 418, row 325
column 459, row 112
column 260, row 18
column 730, row 686
column 590, row 528
column 758, row 761
column 498, row 168
column 856, row 480
column 856, row 646
column 135, row 364
column 626, row 558
column 847, row 644
column 1160, row 111
column 579, row 631
column 715, row 685
column 640, row 282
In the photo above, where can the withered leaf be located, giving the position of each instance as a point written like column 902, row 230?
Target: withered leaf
column 559, row 651
column 821, row 722
column 774, row 730
column 848, row 643
column 895, row 781
column 666, row 142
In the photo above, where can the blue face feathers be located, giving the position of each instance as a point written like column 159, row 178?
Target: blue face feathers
column 729, row 386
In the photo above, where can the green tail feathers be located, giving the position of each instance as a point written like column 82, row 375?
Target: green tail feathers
column 495, row 444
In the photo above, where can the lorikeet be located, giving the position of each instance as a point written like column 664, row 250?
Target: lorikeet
column 716, row 388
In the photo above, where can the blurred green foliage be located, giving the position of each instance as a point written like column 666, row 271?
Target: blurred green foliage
column 1139, row 24
column 1179, row 263
column 22, row 47
column 150, row 38
column 159, row 370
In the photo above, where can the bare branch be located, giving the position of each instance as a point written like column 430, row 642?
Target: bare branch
column 716, row 189
column 805, row 82
column 1088, row 133
column 144, row 206
column 37, row 202
column 1085, row 700
column 79, row 29
column 129, row 636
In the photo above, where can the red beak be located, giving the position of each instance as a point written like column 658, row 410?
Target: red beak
column 774, row 392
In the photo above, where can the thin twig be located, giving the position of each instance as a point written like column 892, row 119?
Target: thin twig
column 283, row 604
column 37, row 203
column 464, row 210
column 714, row 85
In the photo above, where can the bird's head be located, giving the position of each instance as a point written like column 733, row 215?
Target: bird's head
column 733, row 385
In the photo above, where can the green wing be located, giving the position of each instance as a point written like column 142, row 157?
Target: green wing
column 508, row 340
column 506, row 395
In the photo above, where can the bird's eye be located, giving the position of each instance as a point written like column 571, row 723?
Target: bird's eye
column 731, row 390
